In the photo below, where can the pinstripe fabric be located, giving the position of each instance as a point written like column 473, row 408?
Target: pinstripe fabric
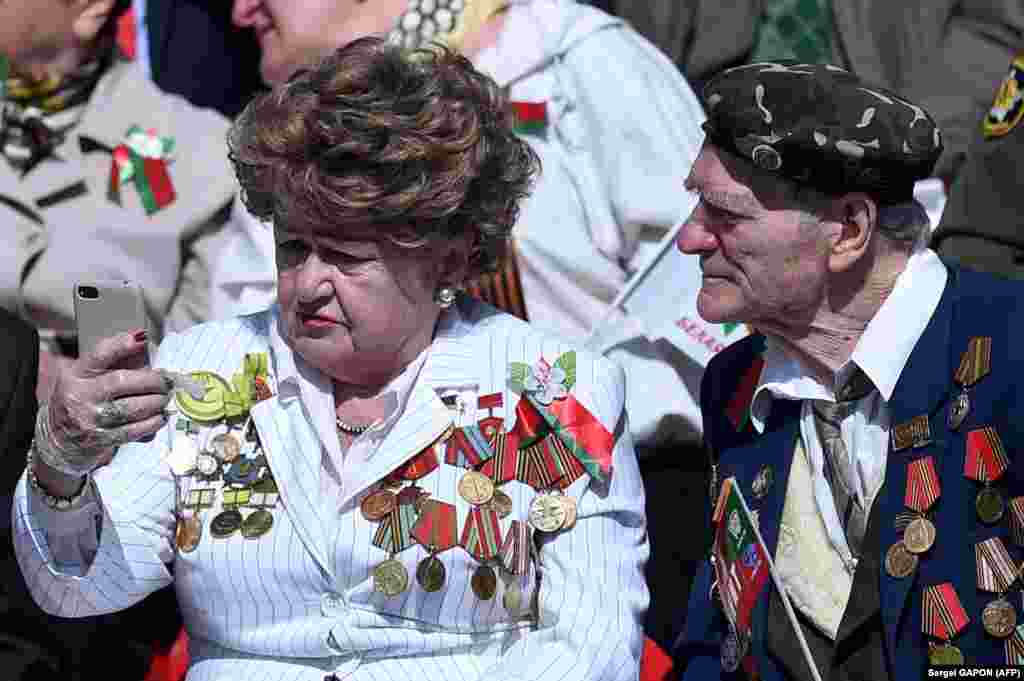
column 298, row 602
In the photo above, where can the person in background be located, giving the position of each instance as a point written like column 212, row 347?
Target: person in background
column 872, row 423
column 190, row 48
column 371, row 473
column 946, row 55
column 617, row 128
column 983, row 225
column 102, row 177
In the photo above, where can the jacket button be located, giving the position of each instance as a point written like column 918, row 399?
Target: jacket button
column 331, row 604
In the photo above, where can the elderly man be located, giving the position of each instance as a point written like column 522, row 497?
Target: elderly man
column 870, row 422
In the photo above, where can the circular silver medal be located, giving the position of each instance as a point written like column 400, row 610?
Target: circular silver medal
column 958, row 410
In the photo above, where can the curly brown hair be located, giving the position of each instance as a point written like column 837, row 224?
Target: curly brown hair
column 380, row 137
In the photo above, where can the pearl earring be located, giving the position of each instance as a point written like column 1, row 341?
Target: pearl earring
column 445, row 297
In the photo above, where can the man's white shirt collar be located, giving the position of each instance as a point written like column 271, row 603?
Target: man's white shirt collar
column 882, row 351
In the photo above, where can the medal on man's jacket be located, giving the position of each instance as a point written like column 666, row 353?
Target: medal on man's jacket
column 1016, row 520
column 975, row 364
column 922, row 492
column 1014, row 646
column 943, row 617
column 986, row 461
column 996, row 574
column 914, row 433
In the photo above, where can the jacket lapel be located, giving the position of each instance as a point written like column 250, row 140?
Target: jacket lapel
column 925, row 383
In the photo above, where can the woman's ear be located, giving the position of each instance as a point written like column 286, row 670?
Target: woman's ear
column 454, row 260
column 857, row 216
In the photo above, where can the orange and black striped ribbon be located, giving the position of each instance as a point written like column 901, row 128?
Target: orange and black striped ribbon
column 1016, row 514
column 986, row 459
column 995, row 569
column 976, row 362
column 1015, row 646
column 943, row 615
column 502, row 288
column 923, row 487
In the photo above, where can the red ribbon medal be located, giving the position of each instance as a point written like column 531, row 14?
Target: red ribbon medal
column 986, row 459
column 482, row 533
column 943, row 615
column 923, row 487
column 515, row 551
column 436, row 528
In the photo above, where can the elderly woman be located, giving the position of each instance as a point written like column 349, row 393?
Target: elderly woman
column 376, row 478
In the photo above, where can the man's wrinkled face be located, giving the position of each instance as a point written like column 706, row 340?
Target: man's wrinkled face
column 296, row 33
column 763, row 259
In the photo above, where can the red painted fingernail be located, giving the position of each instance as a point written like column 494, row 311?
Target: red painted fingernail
column 140, row 336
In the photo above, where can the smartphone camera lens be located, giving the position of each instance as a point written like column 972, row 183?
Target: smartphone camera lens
column 88, row 292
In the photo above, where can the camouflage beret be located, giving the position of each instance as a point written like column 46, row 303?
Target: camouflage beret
column 822, row 126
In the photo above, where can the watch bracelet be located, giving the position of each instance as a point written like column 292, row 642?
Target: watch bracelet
column 52, row 501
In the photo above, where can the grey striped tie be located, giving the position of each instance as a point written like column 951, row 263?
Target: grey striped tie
column 840, row 468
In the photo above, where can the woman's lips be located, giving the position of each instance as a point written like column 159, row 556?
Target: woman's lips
column 317, row 321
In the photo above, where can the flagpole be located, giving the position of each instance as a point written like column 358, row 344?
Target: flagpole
column 782, row 591
column 636, row 279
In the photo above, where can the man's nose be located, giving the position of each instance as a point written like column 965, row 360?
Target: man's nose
column 694, row 238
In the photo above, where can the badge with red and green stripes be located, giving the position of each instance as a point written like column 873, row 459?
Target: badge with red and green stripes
column 142, row 160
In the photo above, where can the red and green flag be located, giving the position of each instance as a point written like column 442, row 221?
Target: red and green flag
column 741, row 560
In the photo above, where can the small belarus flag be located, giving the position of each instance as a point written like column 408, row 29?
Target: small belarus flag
column 741, row 561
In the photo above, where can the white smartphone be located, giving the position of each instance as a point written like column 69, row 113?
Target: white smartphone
column 106, row 308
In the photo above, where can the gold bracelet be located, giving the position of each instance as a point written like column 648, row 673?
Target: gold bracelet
column 52, row 501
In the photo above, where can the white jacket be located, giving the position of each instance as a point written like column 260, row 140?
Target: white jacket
column 299, row 602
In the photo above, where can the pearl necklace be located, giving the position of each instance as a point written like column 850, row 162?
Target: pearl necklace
column 349, row 428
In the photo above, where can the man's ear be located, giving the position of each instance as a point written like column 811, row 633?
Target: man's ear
column 856, row 214
column 92, row 16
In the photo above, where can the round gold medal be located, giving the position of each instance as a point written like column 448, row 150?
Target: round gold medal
column 512, row 599
column 899, row 562
column 919, row 535
column 999, row 618
column 390, row 578
column 257, row 524
column 430, row 574
column 189, row 532
column 376, row 506
column 476, row 488
column 945, row 656
column 226, row 447
column 226, row 523
column 547, row 514
column 484, row 583
column 501, row 503
column 989, row 505
column 570, row 511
